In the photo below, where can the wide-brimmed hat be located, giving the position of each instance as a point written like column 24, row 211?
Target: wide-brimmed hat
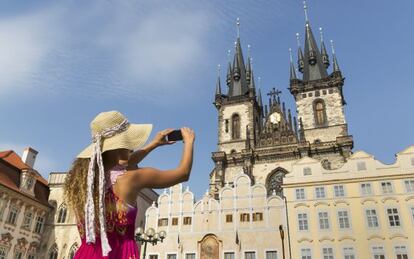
column 120, row 133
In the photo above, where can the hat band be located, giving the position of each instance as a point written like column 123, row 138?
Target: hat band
column 109, row 132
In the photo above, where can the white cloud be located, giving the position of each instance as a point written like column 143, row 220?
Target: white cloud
column 24, row 43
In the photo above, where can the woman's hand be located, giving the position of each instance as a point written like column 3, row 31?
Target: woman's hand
column 188, row 135
column 160, row 139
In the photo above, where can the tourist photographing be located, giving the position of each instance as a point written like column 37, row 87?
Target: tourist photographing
column 104, row 182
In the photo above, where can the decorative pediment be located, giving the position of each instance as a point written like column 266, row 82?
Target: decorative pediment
column 321, row 203
column 375, row 236
column 305, row 239
column 360, row 155
column 407, row 151
column 301, row 205
column 341, row 202
column 368, row 200
column 398, row 235
column 346, row 238
column 326, row 238
column 389, row 199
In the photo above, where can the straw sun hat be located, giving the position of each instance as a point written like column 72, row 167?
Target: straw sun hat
column 132, row 137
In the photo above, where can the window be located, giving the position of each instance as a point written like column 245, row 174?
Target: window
column 372, row 218
column 271, row 254
column 62, row 213
column 235, row 126
column 366, row 189
column 320, row 113
column 303, row 95
column 409, row 185
column 317, row 93
column 244, row 217
column 171, row 256
column 187, row 221
column 339, row 191
column 306, row 253
column 343, row 219
column 412, row 212
column 163, row 222
column 257, row 216
column 349, row 253
column 229, row 218
column 320, row 192
column 190, row 256
column 303, row 221
column 249, row 255
column 300, row 194
column 73, row 250
column 13, row 213
column 226, row 122
column 307, row 171
column 323, row 220
column 393, row 217
column 327, row 253
column 53, row 252
column 401, row 252
column 361, row 166
column 378, row 252
column 386, row 187
column 39, row 225
column 18, row 255
column 3, row 204
column 412, row 161
column 30, row 257
column 27, row 221
column 324, row 92
column 174, row 221
column 229, row 255
column 3, row 253
column 153, row 257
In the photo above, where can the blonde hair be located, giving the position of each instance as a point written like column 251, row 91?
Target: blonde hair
column 75, row 188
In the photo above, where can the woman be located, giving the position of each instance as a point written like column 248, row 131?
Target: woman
column 104, row 182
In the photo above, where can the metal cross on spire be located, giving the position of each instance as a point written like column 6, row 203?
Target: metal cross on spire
column 321, row 33
column 273, row 93
column 297, row 39
column 305, row 8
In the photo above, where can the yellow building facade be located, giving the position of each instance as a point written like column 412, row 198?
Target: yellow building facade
column 364, row 209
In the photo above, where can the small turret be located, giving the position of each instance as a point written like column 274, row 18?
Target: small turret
column 324, row 53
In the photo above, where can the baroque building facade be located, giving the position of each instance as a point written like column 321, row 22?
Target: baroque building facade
column 23, row 205
column 274, row 171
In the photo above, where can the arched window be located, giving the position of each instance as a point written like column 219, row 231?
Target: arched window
column 73, row 250
column 62, row 213
column 3, row 253
column 320, row 113
column 274, row 181
column 53, row 252
column 235, row 126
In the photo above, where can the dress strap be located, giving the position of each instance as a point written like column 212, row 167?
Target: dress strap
column 117, row 171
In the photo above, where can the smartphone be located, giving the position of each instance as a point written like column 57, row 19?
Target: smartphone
column 174, row 135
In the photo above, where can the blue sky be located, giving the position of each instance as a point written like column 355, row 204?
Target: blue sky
column 63, row 62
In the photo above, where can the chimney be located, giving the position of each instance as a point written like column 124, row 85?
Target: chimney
column 29, row 156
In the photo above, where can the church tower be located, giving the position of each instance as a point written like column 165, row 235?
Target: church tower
column 240, row 113
column 319, row 97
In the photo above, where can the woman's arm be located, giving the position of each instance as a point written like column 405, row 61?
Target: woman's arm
column 149, row 177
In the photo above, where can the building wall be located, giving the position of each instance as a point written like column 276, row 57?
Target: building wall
column 209, row 221
column 361, row 168
column 14, row 237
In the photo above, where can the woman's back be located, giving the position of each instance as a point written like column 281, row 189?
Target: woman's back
column 120, row 226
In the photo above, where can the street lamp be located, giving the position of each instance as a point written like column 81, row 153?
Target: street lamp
column 150, row 236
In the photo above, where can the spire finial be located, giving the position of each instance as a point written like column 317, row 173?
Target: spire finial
column 305, row 8
column 321, row 33
column 290, row 54
column 259, row 80
column 229, row 55
column 249, row 50
column 238, row 27
column 332, row 47
column 218, row 70
column 297, row 39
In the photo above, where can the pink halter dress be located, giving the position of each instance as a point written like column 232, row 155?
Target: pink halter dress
column 120, row 226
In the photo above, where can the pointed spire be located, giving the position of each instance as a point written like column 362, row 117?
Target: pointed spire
column 301, row 63
column 265, row 108
column 292, row 67
column 295, row 126
column 335, row 62
column 252, row 86
column 218, row 84
column 313, row 67
column 260, row 101
column 324, row 53
column 249, row 65
column 301, row 131
column 229, row 69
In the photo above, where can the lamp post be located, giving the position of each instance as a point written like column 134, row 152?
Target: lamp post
column 282, row 236
column 149, row 237
column 287, row 223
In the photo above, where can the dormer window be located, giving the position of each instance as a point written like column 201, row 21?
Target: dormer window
column 361, row 166
column 307, row 171
column 29, row 183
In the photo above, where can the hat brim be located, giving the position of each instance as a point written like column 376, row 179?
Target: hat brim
column 134, row 137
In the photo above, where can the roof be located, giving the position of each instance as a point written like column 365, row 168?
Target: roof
column 14, row 159
column 11, row 166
